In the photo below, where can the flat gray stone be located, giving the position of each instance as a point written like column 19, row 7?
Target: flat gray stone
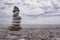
column 24, row 35
column 11, row 37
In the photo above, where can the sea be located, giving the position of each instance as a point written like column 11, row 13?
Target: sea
column 32, row 25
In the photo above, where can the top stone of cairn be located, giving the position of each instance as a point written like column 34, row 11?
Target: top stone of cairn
column 16, row 9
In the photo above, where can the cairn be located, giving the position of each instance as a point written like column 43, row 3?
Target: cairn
column 16, row 20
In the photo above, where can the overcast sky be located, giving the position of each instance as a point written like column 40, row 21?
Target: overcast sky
column 31, row 11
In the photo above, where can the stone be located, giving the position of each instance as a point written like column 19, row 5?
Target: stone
column 57, row 38
column 15, row 14
column 11, row 37
column 16, row 20
column 16, row 24
column 24, row 35
column 22, row 39
column 16, row 9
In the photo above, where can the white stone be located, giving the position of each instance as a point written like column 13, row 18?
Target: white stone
column 16, row 23
column 22, row 39
column 16, row 20
column 11, row 37
column 15, row 13
column 57, row 38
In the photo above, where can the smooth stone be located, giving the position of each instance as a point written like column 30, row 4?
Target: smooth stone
column 15, row 14
column 11, row 37
column 17, row 18
column 22, row 39
column 16, row 21
column 24, row 35
column 57, row 38
column 16, row 24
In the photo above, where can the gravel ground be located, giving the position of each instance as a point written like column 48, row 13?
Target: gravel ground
column 29, row 34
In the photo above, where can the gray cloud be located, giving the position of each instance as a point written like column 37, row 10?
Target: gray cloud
column 42, row 15
column 32, row 9
column 8, row 3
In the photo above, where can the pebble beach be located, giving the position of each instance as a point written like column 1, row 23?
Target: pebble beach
column 29, row 34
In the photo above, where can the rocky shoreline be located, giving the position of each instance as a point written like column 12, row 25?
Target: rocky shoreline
column 29, row 34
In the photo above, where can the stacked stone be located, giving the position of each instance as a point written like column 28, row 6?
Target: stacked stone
column 16, row 18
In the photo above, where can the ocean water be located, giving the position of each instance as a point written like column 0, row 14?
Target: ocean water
column 31, row 25
column 37, row 26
